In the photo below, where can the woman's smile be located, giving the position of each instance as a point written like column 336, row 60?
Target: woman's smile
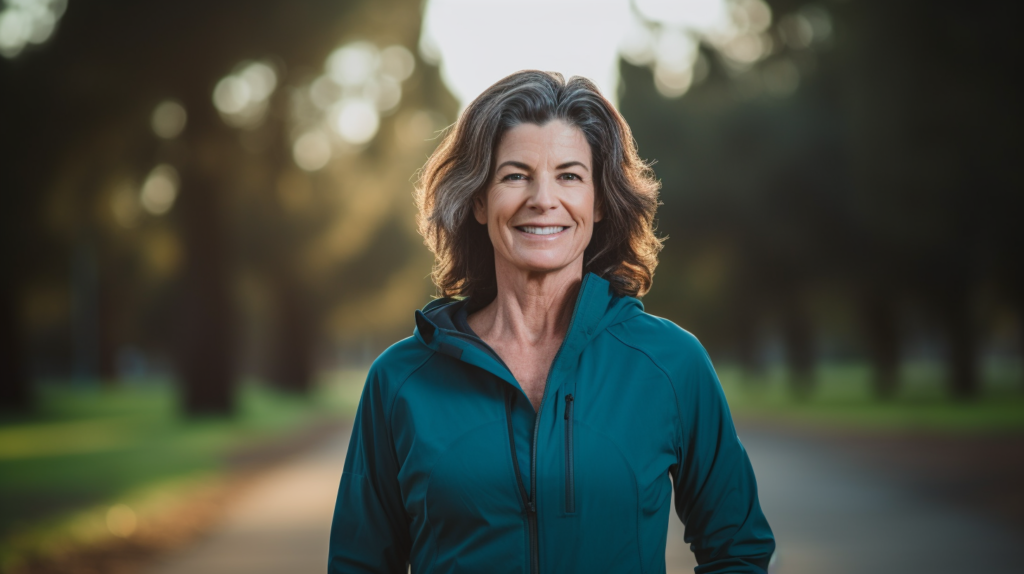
column 550, row 230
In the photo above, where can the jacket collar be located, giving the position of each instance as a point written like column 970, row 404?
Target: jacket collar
column 597, row 308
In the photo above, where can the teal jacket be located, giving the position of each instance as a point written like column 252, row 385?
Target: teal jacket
column 450, row 468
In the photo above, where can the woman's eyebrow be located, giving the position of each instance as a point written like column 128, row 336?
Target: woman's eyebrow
column 513, row 163
column 569, row 164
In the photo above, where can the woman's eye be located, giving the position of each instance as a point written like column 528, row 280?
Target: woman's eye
column 571, row 176
column 514, row 177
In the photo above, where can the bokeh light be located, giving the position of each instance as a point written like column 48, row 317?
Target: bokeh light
column 160, row 190
column 242, row 97
column 355, row 120
column 312, row 150
column 807, row 26
column 169, row 118
column 121, row 520
column 24, row 22
column 340, row 110
column 397, row 62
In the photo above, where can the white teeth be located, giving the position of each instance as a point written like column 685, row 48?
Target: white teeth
column 541, row 230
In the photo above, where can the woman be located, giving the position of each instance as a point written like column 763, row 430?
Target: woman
column 538, row 420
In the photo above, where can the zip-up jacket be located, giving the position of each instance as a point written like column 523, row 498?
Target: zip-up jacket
column 450, row 469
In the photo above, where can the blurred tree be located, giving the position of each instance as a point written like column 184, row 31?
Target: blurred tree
column 756, row 179
column 85, row 82
column 878, row 178
column 932, row 116
column 878, row 309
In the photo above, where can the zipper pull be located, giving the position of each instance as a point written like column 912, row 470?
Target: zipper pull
column 568, row 403
column 532, row 509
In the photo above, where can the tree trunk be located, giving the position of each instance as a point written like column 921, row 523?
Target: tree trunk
column 207, row 350
column 18, row 193
column 1017, row 287
column 292, row 368
column 961, row 340
column 745, row 323
column 882, row 340
column 797, row 334
column 110, row 300
column 15, row 385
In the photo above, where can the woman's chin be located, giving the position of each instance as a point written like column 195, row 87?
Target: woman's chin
column 548, row 264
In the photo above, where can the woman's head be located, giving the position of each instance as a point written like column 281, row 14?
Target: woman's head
column 546, row 127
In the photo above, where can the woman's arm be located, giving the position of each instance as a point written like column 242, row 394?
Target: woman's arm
column 370, row 530
column 716, row 494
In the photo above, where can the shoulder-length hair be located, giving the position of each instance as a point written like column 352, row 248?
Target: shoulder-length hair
column 623, row 248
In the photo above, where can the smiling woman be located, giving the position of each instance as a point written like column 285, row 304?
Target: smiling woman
column 539, row 208
column 513, row 118
column 539, row 420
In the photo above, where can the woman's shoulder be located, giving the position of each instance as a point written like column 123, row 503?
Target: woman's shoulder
column 667, row 344
column 657, row 334
column 399, row 361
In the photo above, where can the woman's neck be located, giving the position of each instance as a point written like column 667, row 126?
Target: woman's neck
column 530, row 308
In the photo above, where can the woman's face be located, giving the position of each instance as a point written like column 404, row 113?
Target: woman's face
column 540, row 206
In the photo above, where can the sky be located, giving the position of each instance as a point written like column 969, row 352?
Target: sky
column 477, row 42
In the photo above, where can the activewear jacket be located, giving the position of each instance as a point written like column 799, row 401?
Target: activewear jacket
column 450, row 468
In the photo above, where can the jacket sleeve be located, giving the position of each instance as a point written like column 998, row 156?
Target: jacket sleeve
column 370, row 531
column 716, row 494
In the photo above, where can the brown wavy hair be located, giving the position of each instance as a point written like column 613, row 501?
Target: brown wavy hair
column 623, row 249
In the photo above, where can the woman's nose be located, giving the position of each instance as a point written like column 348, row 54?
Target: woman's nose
column 544, row 196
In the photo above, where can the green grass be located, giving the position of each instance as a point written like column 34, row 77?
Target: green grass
column 88, row 448
column 843, row 398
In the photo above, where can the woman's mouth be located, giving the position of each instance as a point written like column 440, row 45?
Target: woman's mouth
column 549, row 230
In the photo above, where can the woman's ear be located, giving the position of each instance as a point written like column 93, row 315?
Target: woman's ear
column 480, row 208
column 598, row 208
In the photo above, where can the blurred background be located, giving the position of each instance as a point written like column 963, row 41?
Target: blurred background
column 209, row 233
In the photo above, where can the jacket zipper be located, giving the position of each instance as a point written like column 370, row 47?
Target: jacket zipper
column 535, row 548
column 530, row 500
column 570, row 484
column 529, row 506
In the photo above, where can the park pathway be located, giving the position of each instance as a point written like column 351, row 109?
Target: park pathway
column 279, row 525
column 830, row 516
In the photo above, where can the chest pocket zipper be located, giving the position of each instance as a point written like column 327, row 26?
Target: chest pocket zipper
column 570, row 483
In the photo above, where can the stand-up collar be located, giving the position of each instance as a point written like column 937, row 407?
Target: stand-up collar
column 596, row 308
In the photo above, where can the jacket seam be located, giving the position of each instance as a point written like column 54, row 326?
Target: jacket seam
column 671, row 383
column 391, row 407
column 430, row 478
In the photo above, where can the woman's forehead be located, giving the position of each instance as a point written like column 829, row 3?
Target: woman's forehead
column 554, row 141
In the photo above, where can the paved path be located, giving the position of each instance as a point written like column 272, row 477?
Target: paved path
column 832, row 515
column 279, row 525
column 829, row 515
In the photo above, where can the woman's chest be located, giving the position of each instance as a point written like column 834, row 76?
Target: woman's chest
column 593, row 463
column 530, row 365
column 601, row 430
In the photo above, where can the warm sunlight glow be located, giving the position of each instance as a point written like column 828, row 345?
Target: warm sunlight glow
column 477, row 42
